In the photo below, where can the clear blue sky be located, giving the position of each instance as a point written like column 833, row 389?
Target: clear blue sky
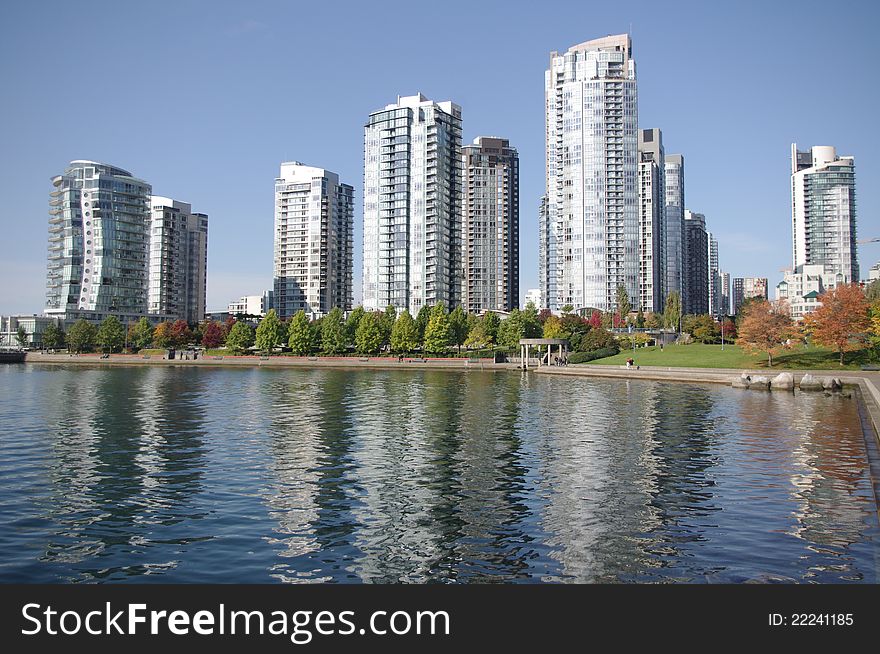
column 205, row 99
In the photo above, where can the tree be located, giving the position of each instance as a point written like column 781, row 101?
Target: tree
column 404, row 334
column 181, row 334
column 369, row 337
column 438, row 333
column 422, row 318
column 530, row 322
column 765, row 327
column 351, row 325
column 595, row 320
column 511, row 330
column 872, row 291
column 567, row 309
column 553, row 328
column 842, row 322
column 598, row 339
column 491, row 324
column 21, row 337
column 212, row 334
column 240, row 337
column 140, row 334
column 479, row 336
column 81, row 336
column 111, row 334
column 269, row 332
column 705, row 329
column 162, row 337
column 640, row 319
column 458, row 323
column 333, row 336
column 622, row 302
column 386, row 324
column 53, row 337
column 672, row 311
column 653, row 321
column 300, row 334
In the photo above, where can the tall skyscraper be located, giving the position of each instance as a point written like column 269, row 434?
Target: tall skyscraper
column 412, row 205
column 546, row 254
column 747, row 287
column 714, row 277
column 178, row 260
column 726, row 309
column 491, row 225
column 314, row 221
column 823, row 212
column 652, row 221
column 592, row 216
column 696, row 264
column 674, row 180
column 99, row 221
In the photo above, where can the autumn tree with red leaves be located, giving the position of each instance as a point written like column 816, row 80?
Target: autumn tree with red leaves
column 842, row 322
column 765, row 327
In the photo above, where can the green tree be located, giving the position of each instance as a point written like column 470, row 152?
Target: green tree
column 386, row 324
column 531, row 323
column 53, row 337
column 368, row 339
column 111, row 334
column 422, row 318
column 81, row 336
column 458, row 323
column 333, row 336
column 705, row 330
column 491, row 324
column 623, row 303
column 872, row 291
column 567, row 309
column 553, row 328
column 162, row 337
column 140, row 334
column 511, row 330
column 640, row 319
column 351, row 325
column 438, row 333
column 300, row 334
column 240, row 337
column 672, row 311
column 21, row 337
column 598, row 338
column 478, row 336
column 653, row 321
column 404, row 334
column 269, row 332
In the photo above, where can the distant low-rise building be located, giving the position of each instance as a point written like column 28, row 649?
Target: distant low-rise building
column 34, row 327
column 747, row 287
column 252, row 305
column 533, row 295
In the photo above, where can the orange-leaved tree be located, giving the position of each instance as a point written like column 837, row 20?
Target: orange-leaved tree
column 843, row 321
column 765, row 327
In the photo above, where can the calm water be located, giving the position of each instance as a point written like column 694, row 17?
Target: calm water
column 249, row 475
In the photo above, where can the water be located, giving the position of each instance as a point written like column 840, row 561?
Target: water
column 255, row 475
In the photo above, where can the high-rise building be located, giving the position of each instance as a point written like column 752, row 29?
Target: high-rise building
column 747, row 287
column 823, row 212
column 652, row 221
column 592, row 215
column 696, row 264
column 714, row 277
column 674, row 180
column 725, row 294
column 314, row 221
column 546, row 254
column 99, row 221
column 490, row 230
column 412, row 205
column 178, row 260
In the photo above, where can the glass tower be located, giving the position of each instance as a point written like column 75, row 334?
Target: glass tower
column 652, row 221
column 99, row 221
column 412, row 205
column 674, row 181
column 592, row 216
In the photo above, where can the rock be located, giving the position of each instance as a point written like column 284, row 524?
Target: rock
column 760, row 383
column 784, row 381
column 810, row 383
column 831, row 383
column 741, row 382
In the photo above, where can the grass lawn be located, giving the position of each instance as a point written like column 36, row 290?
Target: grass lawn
column 697, row 355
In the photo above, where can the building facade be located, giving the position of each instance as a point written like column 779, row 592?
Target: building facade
column 801, row 290
column 490, row 230
column 652, row 221
column 823, row 212
column 534, row 296
column 99, row 230
column 725, row 294
column 252, row 305
column 314, row 227
column 747, row 287
column 696, row 264
column 592, row 214
column 674, row 182
column 714, row 280
column 412, row 205
column 178, row 260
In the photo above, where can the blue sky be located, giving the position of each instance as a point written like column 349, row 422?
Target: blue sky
column 205, row 99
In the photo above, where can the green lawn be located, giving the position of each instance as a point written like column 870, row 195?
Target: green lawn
column 711, row 356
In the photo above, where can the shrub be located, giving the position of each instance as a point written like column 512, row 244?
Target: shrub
column 583, row 357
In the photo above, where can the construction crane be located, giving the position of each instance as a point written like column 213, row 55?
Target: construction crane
column 862, row 241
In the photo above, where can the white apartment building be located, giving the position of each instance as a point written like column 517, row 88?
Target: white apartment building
column 823, row 212
column 675, row 228
column 178, row 261
column 314, row 222
column 592, row 215
column 652, row 221
column 801, row 289
column 252, row 305
column 533, row 295
column 412, row 205
column 715, row 303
